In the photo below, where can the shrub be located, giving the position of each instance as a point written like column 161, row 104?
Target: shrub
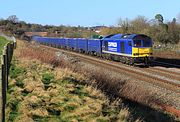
column 47, row 78
column 16, row 71
column 19, row 83
column 13, row 104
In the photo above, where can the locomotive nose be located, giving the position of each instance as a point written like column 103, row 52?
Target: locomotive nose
column 142, row 52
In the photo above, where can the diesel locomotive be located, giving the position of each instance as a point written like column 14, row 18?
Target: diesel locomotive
column 127, row 48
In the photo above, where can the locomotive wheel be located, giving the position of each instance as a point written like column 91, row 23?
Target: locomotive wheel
column 79, row 51
column 123, row 60
column 132, row 62
column 146, row 62
column 127, row 60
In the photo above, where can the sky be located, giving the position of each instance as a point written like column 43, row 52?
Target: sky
column 86, row 12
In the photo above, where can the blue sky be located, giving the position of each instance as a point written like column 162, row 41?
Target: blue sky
column 86, row 12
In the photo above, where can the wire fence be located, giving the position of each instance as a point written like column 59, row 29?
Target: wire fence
column 6, row 58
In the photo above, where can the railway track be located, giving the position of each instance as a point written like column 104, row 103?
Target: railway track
column 168, row 74
column 167, row 71
column 166, row 64
column 171, row 83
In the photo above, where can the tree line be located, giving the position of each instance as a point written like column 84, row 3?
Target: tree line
column 156, row 28
column 12, row 25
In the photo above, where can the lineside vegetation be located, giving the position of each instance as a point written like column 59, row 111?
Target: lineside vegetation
column 3, row 42
column 43, row 92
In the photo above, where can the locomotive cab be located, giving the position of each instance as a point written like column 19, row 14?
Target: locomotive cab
column 142, row 49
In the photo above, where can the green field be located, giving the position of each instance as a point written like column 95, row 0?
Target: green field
column 3, row 42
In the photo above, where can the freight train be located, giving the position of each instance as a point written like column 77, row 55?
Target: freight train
column 131, row 49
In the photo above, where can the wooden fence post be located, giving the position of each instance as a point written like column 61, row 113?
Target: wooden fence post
column 3, row 93
column 1, row 96
column 4, row 72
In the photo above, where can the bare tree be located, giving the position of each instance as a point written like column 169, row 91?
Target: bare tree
column 139, row 24
column 13, row 18
column 124, row 24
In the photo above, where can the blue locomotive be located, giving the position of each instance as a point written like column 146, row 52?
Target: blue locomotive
column 127, row 48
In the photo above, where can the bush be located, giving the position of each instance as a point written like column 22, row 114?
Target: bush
column 19, row 83
column 16, row 71
column 13, row 104
column 47, row 78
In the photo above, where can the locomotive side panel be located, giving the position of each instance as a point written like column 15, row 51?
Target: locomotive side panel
column 116, row 47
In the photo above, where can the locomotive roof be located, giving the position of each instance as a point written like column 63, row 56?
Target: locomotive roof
column 114, row 36
column 136, row 37
column 127, row 36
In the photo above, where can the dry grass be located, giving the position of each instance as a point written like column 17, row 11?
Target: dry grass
column 42, row 55
column 63, row 100
column 104, row 81
column 123, row 115
column 115, row 87
column 63, row 96
column 137, row 93
column 35, row 52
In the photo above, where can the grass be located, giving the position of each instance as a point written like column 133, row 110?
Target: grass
column 41, row 95
column 16, row 71
column 13, row 104
column 3, row 42
column 47, row 78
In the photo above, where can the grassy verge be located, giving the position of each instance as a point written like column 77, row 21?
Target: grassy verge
column 43, row 92
column 37, row 92
column 3, row 42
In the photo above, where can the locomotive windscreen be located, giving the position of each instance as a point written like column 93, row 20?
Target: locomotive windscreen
column 142, row 41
